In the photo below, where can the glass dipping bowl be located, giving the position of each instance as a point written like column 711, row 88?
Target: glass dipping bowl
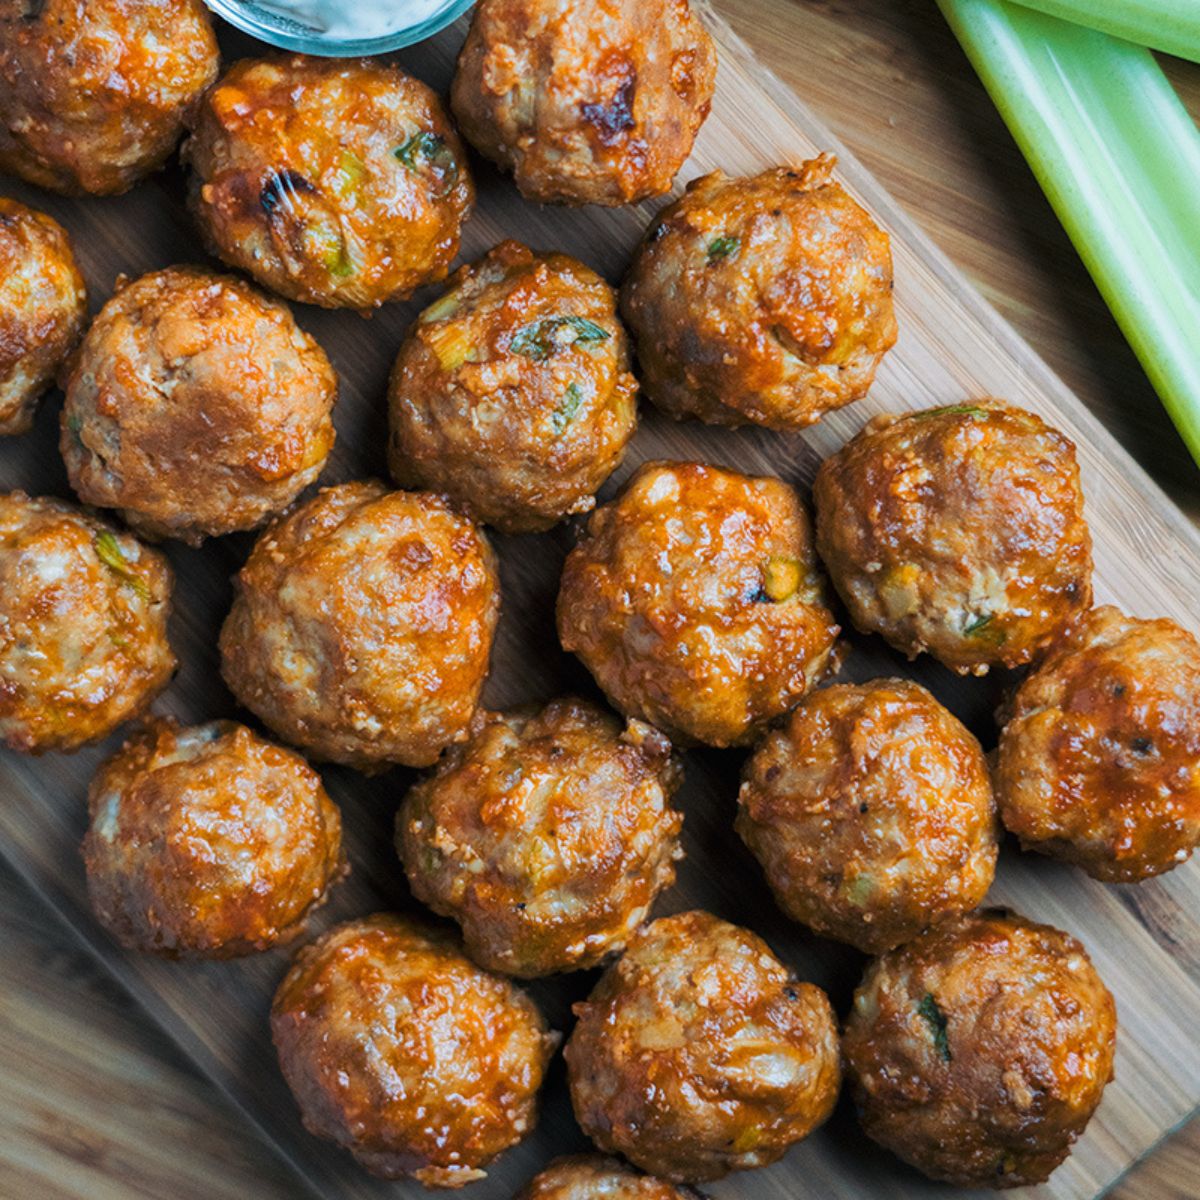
column 288, row 34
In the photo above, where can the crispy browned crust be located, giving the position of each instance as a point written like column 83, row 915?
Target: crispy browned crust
column 764, row 300
column 208, row 842
column 668, row 602
column 585, row 101
column 196, row 405
column 513, row 392
column 958, row 531
column 403, row 1052
column 331, row 181
column 94, row 93
column 1099, row 760
column 979, row 1052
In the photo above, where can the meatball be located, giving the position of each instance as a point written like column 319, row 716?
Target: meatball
column 1099, row 763
column 332, row 182
column 93, row 96
column 958, row 531
column 43, row 303
column 83, row 625
column 696, row 602
column 208, row 842
column 699, row 1053
column 513, row 392
column 764, row 301
column 547, row 836
column 362, row 624
column 196, row 406
column 587, row 101
column 399, row 1049
column 594, row 1177
column 871, row 814
column 979, row 1052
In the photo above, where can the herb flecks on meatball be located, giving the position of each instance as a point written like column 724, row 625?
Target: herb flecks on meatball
column 696, row 600
column 402, row 1051
column 979, row 1052
column 585, row 101
column 334, row 182
column 196, row 405
column 513, row 392
column 547, row 836
column 958, row 531
column 1099, row 760
column 763, row 300
column 700, row 1053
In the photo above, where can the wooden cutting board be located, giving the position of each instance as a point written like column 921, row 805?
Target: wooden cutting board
column 1146, row 941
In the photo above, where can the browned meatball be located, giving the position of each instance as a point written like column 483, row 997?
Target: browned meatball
column 547, row 836
column 699, row 1053
column 979, row 1052
column 362, row 625
column 594, row 1177
column 196, row 406
column 765, row 300
column 208, row 842
column 871, row 813
column 513, row 391
column 400, row 1050
column 83, row 625
column 586, row 101
column 1099, row 762
column 43, row 303
column 339, row 183
column 94, row 93
column 695, row 601
column 958, row 531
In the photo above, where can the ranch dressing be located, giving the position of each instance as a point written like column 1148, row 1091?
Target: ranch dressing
column 346, row 20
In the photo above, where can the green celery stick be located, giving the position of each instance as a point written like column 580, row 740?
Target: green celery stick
column 1169, row 25
column 1119, row 159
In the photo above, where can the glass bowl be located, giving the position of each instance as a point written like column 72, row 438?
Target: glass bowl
column 288, row 34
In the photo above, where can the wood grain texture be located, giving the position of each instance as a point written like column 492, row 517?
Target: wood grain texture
column 941, row 352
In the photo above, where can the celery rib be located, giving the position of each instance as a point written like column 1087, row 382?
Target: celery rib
column 1118, row 156
column 1172, row 26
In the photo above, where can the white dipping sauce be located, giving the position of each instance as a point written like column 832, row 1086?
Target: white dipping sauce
column 344, row 20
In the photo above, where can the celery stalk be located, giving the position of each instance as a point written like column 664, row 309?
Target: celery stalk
column 1169, row 25
column 1119, row 159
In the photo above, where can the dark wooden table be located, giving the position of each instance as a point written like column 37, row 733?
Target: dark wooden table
column 96, row 1104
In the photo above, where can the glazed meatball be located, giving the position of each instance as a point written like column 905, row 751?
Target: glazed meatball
column 871, row 814
column 399, row 1049
column 587, row 101
column 1099, row 763
column 547, row 836
column 696, row 602
column 196, row 406
column 979, row 1052
column 332, row 182
column 362, row 624
column 958, row 531
column 699, row 1053
column 208, row 842
column 83, row 625
column 43, row 303
column 594, row 1177
column 513, row 392
column 764, row 301
column 93, row 96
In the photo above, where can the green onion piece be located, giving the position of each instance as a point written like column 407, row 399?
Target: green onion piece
column 568, row 410
column 1118, row 157
column 723, row 247
column 949, row 410
column 109, row 552
column 540, row 339
column 977, row 625
column 1172, row 26
column 936, row 1020
column 430, row 148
